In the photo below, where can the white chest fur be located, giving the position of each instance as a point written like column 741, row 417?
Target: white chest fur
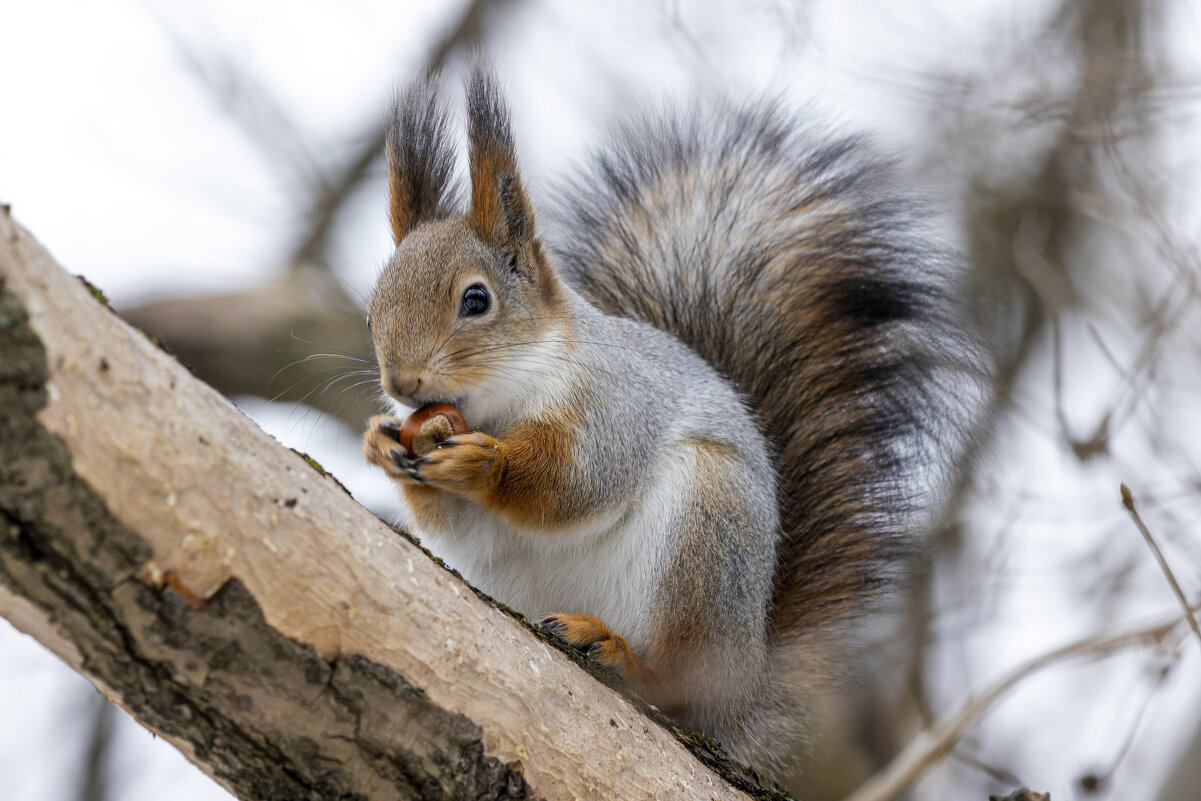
column 609, row 567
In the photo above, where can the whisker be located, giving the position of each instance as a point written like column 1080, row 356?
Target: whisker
column 308, row 355
column 324, row 387
column 355, row 385
column 275, row 375
column 449, row 337
column 338, row 410
column 345, row 353
column 294, row 385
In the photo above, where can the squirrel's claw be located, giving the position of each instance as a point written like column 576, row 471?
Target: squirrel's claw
column 460, row 464
column 595, row 639
column 381, row 447
column 410, row 466
column 464, row 463
column 391, row 425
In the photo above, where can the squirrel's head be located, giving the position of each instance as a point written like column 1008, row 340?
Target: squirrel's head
column 466, row 300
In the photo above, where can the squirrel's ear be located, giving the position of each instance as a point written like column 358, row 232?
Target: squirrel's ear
column 420, row 158
column 500, row 212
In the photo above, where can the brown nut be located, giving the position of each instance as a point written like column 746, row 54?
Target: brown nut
column 429, row 425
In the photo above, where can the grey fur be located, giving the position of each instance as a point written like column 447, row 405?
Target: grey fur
column 792, row 263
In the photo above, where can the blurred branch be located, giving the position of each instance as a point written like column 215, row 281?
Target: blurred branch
column 998, row 774
column 1177, row 299
column 291, row 341
column 251, row 106
column 325, row 205
column 931, row 745
column 94, row 783
column 1025, row 236
column 1097, row 780
column 302, row 329
column 1128, row 503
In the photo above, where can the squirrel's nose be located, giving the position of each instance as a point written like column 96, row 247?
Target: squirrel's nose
column 400, row 386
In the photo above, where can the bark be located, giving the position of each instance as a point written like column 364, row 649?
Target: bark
column 239, row 603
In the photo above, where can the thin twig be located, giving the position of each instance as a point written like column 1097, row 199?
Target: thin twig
column 1000, row 775
column 932, row 744
column 1128, row 502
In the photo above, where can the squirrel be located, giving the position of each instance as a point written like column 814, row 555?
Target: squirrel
column 698, row 419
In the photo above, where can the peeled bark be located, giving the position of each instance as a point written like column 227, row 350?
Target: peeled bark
column 239, row 603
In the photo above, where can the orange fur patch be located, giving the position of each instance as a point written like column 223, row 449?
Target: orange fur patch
column 531, row 488
column 463, row 464
column 605, row 646
column 400, row 206
column 486, row 216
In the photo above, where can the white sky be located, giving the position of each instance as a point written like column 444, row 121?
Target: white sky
column 117, row 160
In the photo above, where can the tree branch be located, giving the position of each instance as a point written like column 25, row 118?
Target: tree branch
column 274, row 340
column 1128, row 504
column 236, row 601
column 328, row 202
column 935, row 742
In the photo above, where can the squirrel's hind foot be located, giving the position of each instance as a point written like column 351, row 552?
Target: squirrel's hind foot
column 594, row 637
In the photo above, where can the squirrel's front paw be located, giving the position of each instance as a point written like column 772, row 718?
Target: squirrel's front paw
column 382, row 448
column 465, row 463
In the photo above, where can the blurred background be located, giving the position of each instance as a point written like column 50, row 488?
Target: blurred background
column 216, row 169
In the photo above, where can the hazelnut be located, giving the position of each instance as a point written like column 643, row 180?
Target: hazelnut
column 429, row 425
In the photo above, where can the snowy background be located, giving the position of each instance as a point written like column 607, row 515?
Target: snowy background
column 168, row 150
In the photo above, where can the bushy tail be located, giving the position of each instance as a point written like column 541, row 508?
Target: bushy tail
column 793, row 266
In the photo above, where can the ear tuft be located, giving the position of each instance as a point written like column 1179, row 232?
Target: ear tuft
column 420, row 158
column 500, row 212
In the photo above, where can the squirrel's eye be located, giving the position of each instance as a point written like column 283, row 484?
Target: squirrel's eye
column 368, row 322
column 475, row 301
